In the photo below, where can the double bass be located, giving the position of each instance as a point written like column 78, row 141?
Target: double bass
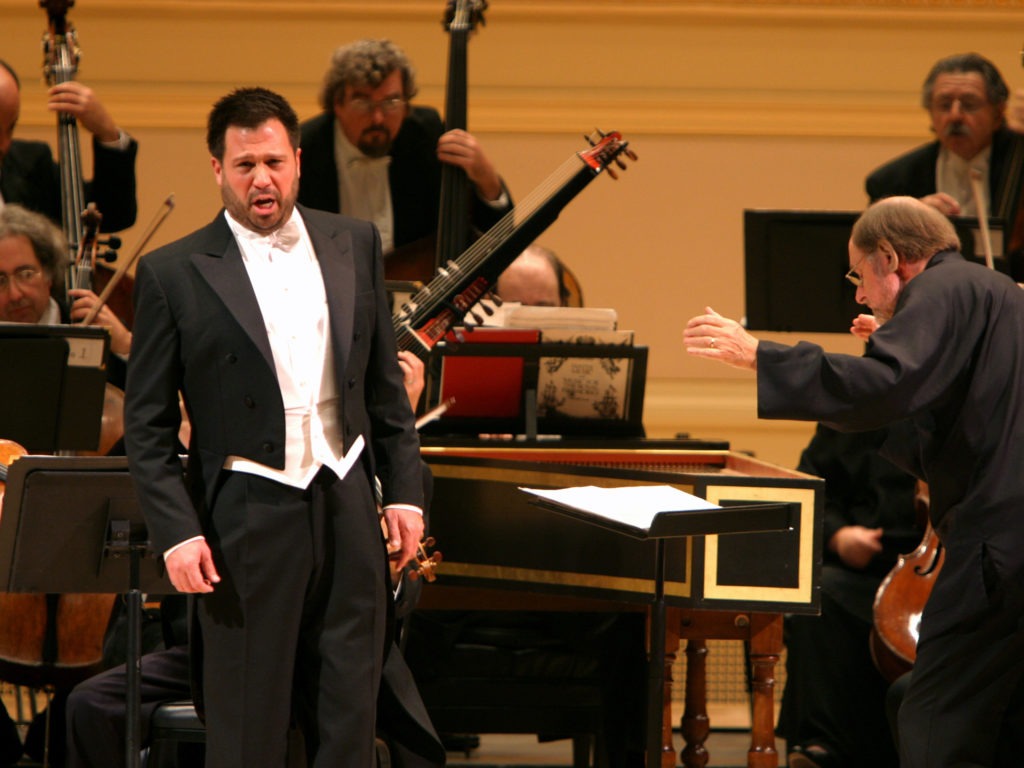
column 420, row 260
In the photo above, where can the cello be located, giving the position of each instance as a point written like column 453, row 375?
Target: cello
column 901, row 597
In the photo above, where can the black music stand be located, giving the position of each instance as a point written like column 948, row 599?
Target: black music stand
column 52, row 390
column 745, row 518
column 72, row 525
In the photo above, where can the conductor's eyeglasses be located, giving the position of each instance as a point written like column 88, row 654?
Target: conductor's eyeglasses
column 854, row 275
column 388, row 106
column 23, row 276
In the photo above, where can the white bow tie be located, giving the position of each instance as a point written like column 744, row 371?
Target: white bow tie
column 283, row 239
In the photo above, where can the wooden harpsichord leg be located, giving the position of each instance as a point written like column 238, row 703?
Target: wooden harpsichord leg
column 695, row 725
column 765, row 649
column 672, row 623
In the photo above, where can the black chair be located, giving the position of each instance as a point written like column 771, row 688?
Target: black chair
column 178, row 737
column 173, row 724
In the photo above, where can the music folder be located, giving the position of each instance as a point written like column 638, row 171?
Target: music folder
column 658, row 512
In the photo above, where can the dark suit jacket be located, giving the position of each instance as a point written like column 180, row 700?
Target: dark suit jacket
column 946, row 371
column 414, row 175
column 913, row 173
column 31, row 178
column 198, row 327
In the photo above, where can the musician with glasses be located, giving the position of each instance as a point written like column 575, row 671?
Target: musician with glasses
column 33, row 253
column 966, row 99
column 371, row 154
column 28, row 174
column 943, row 371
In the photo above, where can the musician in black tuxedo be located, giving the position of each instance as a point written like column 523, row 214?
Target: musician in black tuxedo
column 372, row 155
column 28, row 174
column 273, row 323
column 965, row 97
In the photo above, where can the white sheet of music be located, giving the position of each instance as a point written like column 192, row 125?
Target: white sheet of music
column 634, row 505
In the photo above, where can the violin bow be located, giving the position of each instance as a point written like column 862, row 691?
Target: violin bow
column 122, row 268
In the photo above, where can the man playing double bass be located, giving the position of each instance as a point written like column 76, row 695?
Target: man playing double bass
column 371, row 155
column 28, row 174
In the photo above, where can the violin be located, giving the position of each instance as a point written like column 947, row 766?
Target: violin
column 901, row 597
column 423, row 564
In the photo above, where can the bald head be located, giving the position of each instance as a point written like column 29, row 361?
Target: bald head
column 10, row 106
column 532, row 279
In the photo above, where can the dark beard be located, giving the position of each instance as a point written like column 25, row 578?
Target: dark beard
column 375, row 142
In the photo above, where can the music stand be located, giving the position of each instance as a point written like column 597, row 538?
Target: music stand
column 534, row 388
column 745, row 518
column 52, row 390
column 73, row 525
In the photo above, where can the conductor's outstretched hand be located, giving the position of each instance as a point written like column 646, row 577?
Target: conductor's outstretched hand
column 718, row 338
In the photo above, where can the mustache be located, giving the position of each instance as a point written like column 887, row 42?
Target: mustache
column 274, row 194
column 956, row 129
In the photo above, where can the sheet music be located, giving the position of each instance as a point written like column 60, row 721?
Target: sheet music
column 636, row 506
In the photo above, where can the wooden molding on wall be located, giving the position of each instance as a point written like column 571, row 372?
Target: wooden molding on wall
column 746, row 68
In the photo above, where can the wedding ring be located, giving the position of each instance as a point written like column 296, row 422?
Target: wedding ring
column 712, row 342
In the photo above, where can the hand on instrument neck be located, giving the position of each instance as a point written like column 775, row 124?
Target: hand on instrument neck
column 84, row 301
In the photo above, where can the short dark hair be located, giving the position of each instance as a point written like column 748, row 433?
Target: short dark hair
column 365, row 63
column 249, row 108
column 995, row 86
column 47, row 240
column 13, row 74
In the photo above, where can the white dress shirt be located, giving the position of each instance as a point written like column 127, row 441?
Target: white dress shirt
column 363, row 187
column 953, row 176
column 289, row 287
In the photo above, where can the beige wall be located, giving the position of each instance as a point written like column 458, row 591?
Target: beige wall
column 729, row 105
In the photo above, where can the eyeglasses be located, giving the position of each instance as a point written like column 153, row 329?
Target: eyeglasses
column 388, row 106
column 854, row 274
column 23, row 276
column 968, row 105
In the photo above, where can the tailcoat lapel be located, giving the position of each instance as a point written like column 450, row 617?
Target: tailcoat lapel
column 220, row 263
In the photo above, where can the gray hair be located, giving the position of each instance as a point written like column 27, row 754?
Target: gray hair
column 995, row 86
column 48, row 242
column 915, row 230
column 365, row 63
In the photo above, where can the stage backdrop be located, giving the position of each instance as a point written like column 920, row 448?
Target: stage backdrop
column 729, row 105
